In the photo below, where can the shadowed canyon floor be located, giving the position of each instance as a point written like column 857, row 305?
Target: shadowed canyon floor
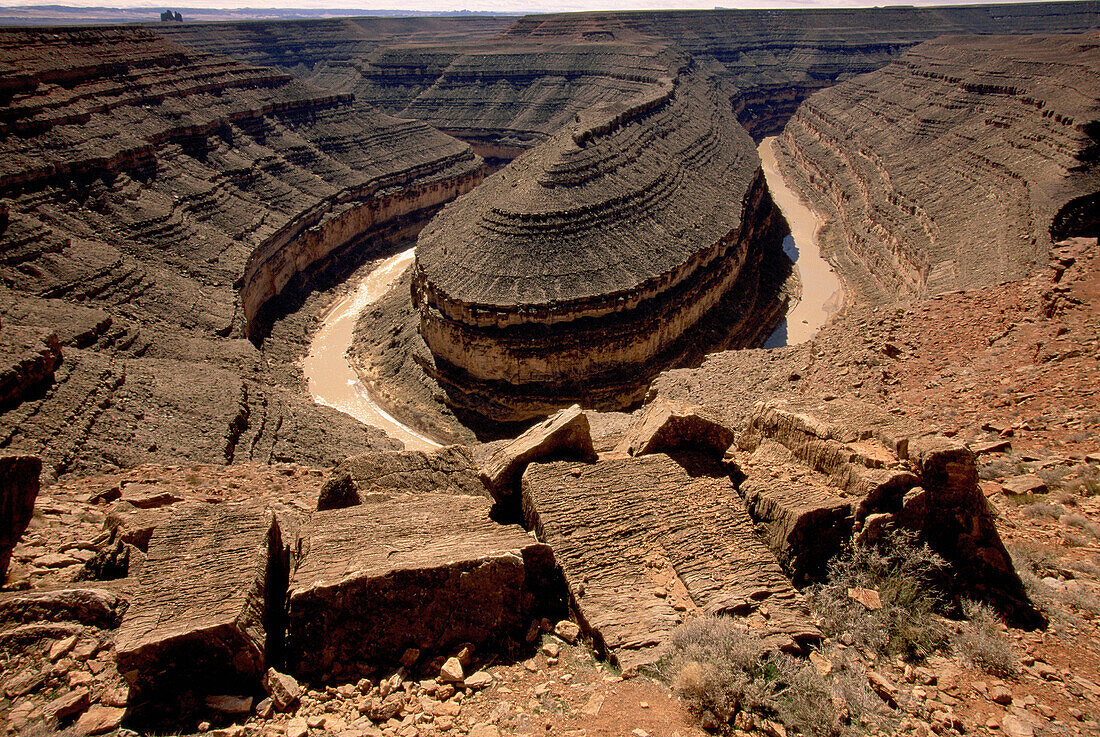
column 212, row 552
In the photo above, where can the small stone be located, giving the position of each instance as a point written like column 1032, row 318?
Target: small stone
column 409, row 657
column 824, row 665
column 568, row 631
column 882, row 686
column 98, row 720
column 484, row 730
column 297, row 728
column 1013, row 726
column 283, row 689
column 23, row 684
column 62, row 647
column 551, row 649
column 230, row 705
column 869, row 598
column 1000, row 695
column 640, row 733
column 451, row 671
column 479, row 680
column 1026, row 484
column 774, row 729
column 266, row 708
column 69, row 705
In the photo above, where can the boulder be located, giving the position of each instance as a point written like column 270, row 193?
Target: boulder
column 18, row 491
column 1029, row 483
column 645, row 544
column 663, row 426
column 200, row 622
column 449, row 470
column 91, row 606
column 428, row 571
column 30, row 356
column 564, row 435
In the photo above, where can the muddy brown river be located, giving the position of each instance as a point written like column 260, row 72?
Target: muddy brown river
column 822, row 294
column 332, row 380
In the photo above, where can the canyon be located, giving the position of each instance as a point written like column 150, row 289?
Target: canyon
column 204, row 227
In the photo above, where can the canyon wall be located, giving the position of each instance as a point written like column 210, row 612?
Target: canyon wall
column 954, row 166
column 505, row 86
column 578, row 271
column 154, row 199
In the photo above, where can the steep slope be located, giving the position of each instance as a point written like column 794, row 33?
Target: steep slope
column 954, row 166
column 154, row 201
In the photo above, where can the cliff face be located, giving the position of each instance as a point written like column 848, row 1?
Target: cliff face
column 504, row 93
column 955, row 165
column 154, row 200
column 574, row 273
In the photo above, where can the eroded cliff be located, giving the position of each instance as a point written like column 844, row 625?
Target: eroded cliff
column 155, row 200
column 577, row 272
column 955, row 166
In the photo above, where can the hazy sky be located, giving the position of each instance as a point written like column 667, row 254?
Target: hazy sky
column 510, row 6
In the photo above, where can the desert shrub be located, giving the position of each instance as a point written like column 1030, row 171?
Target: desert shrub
column 722, row 670
column 1083, row 523
column 981, row 642
column 907, row 576
column 996, row 469
column 1044, row 509
column 1033, row 565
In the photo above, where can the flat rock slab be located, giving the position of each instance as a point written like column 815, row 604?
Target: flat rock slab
column 428, row 571
column 377, row 474
column 199, row 621
column 18, row 491
column 645, row 544
column 565, row 435
column 663, row 426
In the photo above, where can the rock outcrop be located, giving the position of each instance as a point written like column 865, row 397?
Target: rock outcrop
column 663, row 427
column 201, row 623
column 584, row 267
column 156, row 202
column 647, row 543
column 953, row 167
column 821, row 472
column 18, row 490
column 429, row 572
column 378, row 475
column 565, row 435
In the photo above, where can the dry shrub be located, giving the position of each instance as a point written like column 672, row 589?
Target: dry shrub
column 1082, row 523
column 907, row 576
column 981, row 642
column 721, row 669
column 1044, row 509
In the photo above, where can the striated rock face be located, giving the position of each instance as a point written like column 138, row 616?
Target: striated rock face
column 155, row 200
column 31, row 355
column 201, row 617
column 646, row 543
column 379, row 474
column 954, row 166
column 506, row 85
column 428, row 572
column 576, row 272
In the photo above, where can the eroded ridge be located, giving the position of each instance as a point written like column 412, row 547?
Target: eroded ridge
column 953, row 167
column 576, row 271
column 153, row 201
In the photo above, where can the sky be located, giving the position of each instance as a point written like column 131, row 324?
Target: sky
column 508, row 6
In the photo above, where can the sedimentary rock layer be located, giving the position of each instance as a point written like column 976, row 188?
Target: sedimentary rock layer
column 508, row 92
column 154, row 200
column 430, row 572
column 646, row 543
column 576, row 270
column 954, row 166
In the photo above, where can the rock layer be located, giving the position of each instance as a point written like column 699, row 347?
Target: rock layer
column 577, row 271
column 154, row 201
column 954, row 166
column 428, row 572
column 646, row 543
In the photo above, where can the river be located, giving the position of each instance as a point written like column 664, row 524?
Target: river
column 822, row 294
column 332, row 380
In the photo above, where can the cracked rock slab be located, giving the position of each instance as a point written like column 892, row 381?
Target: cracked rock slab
column 199, row 623
column 646, row 543
column 428, row 572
